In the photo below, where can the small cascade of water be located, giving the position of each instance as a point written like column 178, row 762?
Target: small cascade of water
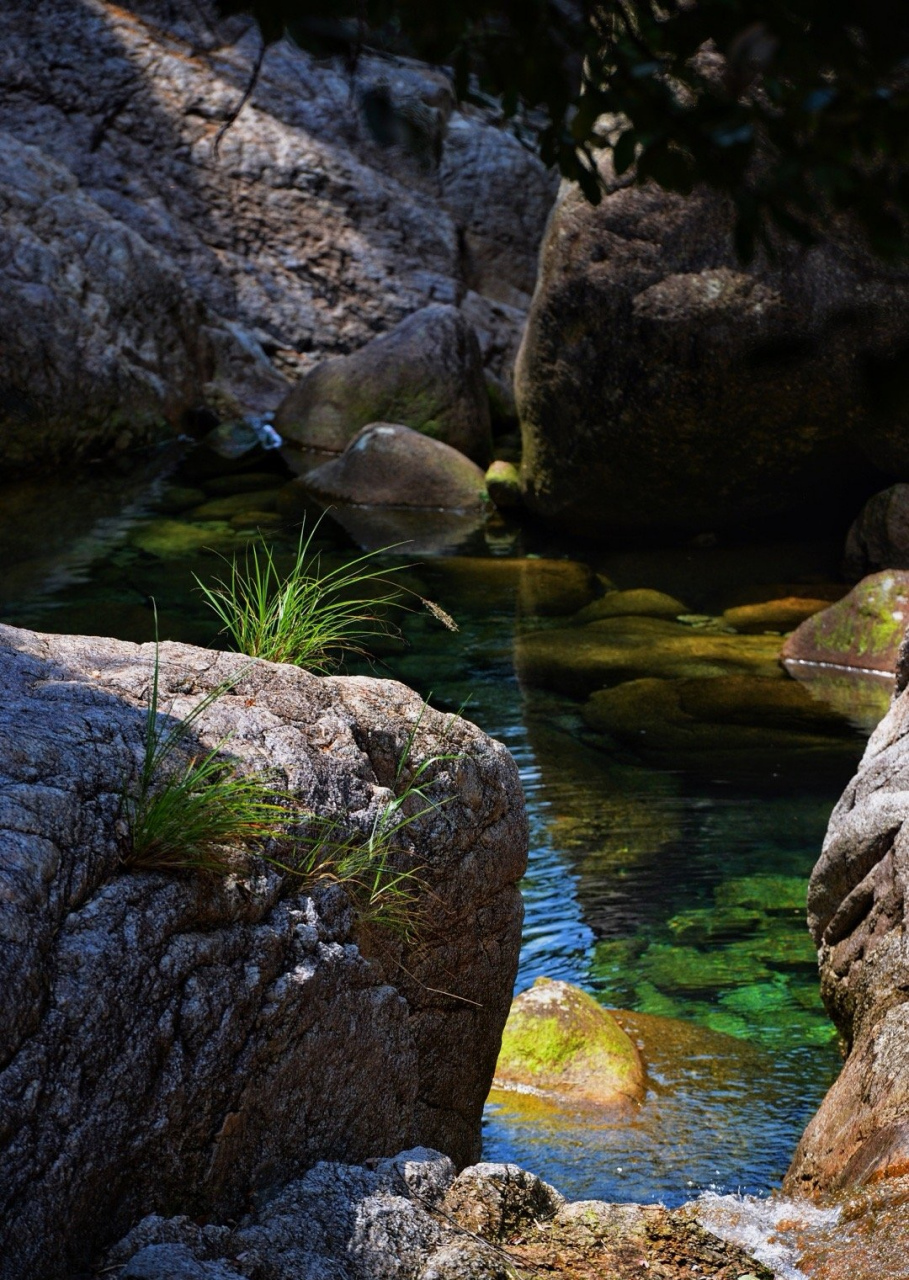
column 859, row 1236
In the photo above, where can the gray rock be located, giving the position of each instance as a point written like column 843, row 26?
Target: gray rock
column 426, row 373
column 388, row 465
column 171, row 1040
column 879, row 535
column 495, row 1200
column 857, row 915
column 663, row 386
column 467, row 1260
column 147, row 272
column 174, row 1262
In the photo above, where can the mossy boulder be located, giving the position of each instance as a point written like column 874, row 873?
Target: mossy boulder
column 642, row 602
column 503, row 484
column 773, row 615
column 578, row 660
column 863, row 630
column 426, row 373
column 389, row 465
column 560, row 1042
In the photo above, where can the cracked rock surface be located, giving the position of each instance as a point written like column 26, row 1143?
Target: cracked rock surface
column 145, row 272
column 857, row 914
column 180, row 1043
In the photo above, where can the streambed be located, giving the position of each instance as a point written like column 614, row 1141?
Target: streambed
column 668, row 890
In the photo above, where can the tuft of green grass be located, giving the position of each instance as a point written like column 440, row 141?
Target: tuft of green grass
column 197, row 813
column 305, row 617
column 191, row 812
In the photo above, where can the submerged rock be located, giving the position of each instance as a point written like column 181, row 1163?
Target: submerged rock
column 578, row 660
column 863, row 630
column 181, row 1040
column 558, row 1041
column 426, row 374
column 642, row 602
column 730, row 724
column 388, row 465
column 773, row 615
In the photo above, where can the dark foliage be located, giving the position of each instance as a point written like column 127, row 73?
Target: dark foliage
column 796, row 108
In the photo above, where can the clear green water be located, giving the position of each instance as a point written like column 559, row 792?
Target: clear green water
column 662, row 890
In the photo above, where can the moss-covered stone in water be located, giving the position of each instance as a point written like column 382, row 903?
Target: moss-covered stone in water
column 687, row 971
column 712, row 924
column 579, row 660
column 640, row 602
column 560, row 1041
column 862, row 630
column 773, row 615
column 174, row 539
column 224, row 508
column 775, row 895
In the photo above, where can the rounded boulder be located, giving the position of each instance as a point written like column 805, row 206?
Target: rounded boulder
column 560, row 1042
column 389, row 465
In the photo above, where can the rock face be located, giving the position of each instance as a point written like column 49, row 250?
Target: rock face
column 143, row 272
column 864, row 630
column 661, row 386
column 426, row 373
column 879, row 536
column 173, row 1042
column 857, row 915
column 387, row 465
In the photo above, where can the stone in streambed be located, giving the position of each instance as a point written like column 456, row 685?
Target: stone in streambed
column 559, row 1041
column 864, row 630
column 426, row 373
column 235, row 503
column 503, row 484
column 389, row 465
column 773, row 615
column 733, row 724
column 642, row 602
column 536, row 586
column 579, row 660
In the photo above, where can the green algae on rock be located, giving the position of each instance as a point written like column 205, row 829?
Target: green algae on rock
column 560, row 1042
column 536, row 586
column 863, row 630
column 773, row 615
column 174, row 539
column 736, row 723
column 578, row 660
column 503, row 484
column 642, row 602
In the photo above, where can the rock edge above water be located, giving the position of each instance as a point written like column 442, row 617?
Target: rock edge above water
column 175, row 1041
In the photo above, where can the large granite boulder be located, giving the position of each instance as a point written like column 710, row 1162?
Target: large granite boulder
column 857, row 915
column 662, row 386
column 144, row 272
column 426, row 374
column 187, row 1041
